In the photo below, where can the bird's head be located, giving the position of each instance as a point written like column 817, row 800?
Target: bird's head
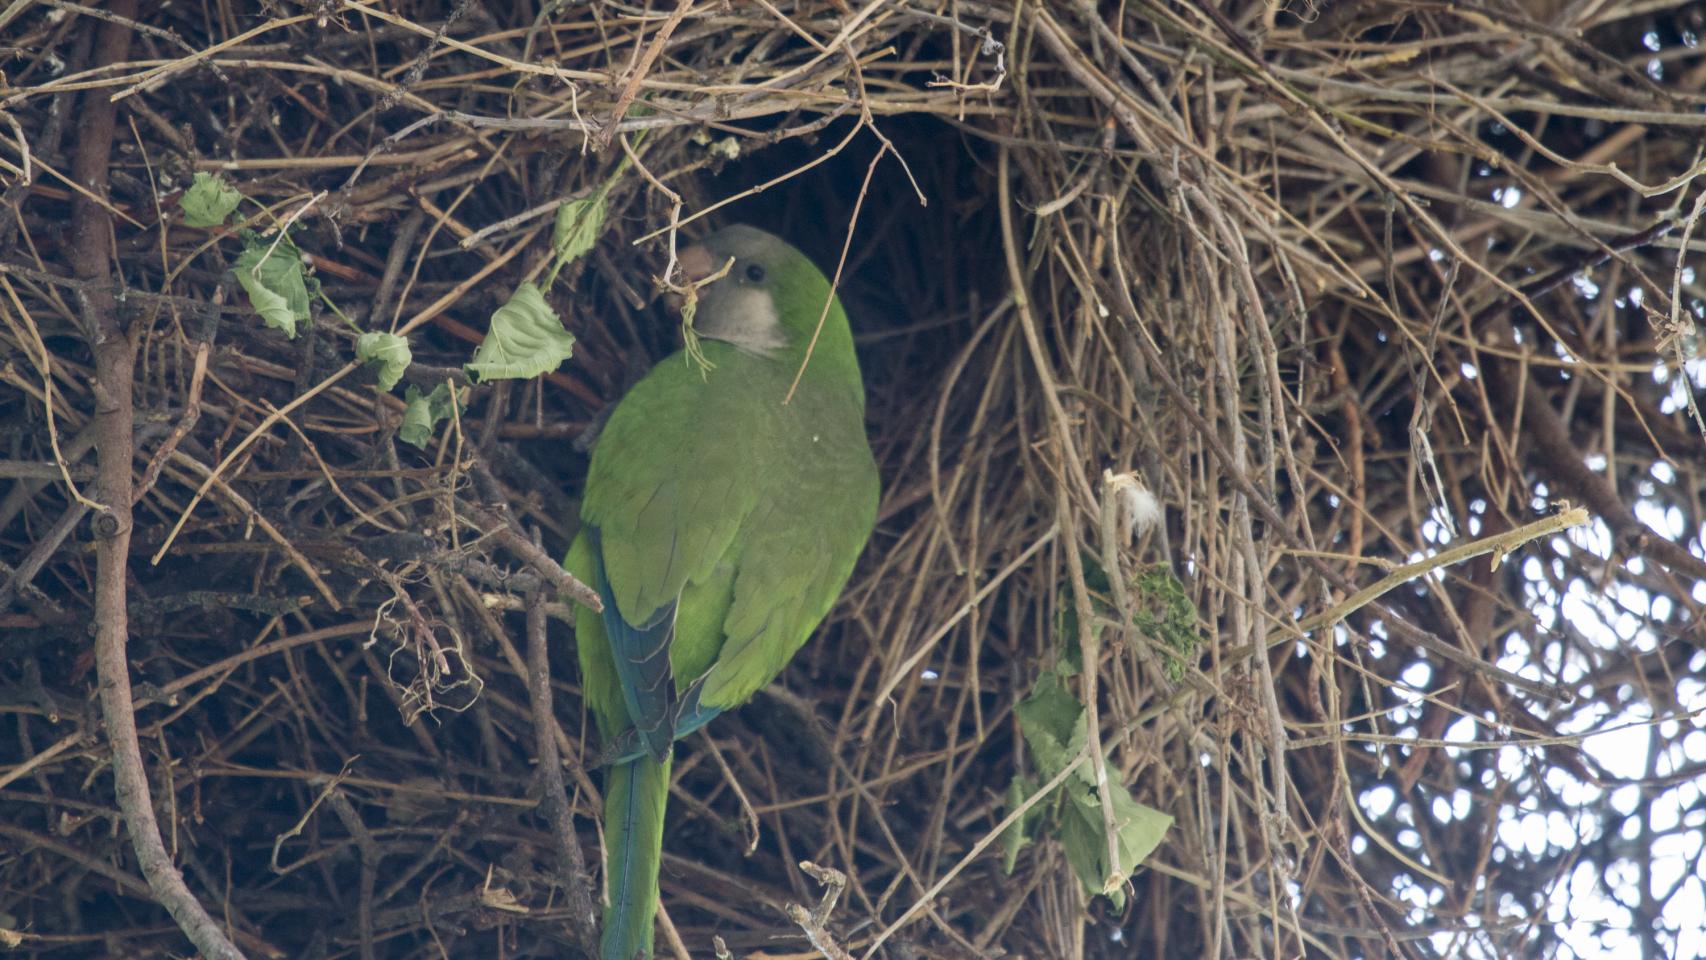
column 770, row 299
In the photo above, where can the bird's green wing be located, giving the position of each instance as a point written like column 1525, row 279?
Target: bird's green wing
column 666, row 494
column 794, row 555
column 667, row 489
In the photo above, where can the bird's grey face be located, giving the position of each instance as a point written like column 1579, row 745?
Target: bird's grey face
column 740, row 308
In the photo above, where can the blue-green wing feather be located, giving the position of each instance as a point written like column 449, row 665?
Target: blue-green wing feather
column 640, row 656
column 687, row 715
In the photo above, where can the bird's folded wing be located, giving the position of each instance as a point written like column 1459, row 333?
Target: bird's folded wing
column 666, row 496
column 783, row 592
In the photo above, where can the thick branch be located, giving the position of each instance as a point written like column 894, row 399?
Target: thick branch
column 115, row 358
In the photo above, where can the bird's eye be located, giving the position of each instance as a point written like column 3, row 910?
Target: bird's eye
column 755, row 273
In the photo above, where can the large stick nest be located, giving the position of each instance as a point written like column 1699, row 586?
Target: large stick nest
column 1343, row 292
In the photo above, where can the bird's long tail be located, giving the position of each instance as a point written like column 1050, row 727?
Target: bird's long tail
column 635, row 793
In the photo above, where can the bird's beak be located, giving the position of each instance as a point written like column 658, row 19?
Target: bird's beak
column 696, row 263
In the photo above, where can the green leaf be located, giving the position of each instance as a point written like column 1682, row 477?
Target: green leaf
column 386, row 352
column 1086, row 851
column 1141, row 828
column 525, row 340
column 209, row 200
column 272, row 276
column 1138, row 830
column 578, row 225
column 1052, row 721
column 1054, row 726
column 1023, row 830
column 423, row 412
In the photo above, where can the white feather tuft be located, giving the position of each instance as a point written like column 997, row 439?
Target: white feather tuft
column 1139, row 511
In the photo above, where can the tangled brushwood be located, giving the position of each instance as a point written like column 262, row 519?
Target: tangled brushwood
column 1290, row 541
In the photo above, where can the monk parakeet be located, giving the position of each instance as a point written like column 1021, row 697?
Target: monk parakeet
column 719, row 524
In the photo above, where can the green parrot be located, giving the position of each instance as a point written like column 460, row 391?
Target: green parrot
column 719, row 525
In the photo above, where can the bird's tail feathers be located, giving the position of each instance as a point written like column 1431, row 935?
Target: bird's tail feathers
column 635, row 794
